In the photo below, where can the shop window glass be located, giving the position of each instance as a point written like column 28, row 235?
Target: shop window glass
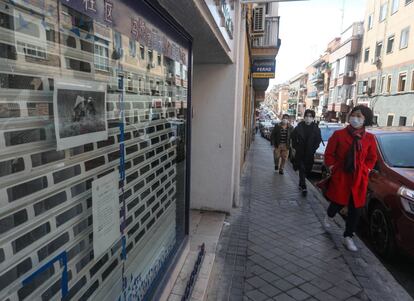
column 44, row 180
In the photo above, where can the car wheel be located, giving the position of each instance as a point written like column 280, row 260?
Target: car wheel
column 381, row 232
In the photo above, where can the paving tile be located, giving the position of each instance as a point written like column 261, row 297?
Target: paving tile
column 283, row 285
column 297, row 294
column 256, row 282
column 256, row 295
column 309, row 288
column 269, row 277
column 322, row 296
column 339, row 293
column 269, row 290
column 283, row 297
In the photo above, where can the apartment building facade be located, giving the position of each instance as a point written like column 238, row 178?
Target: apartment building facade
column 386, row 71
column 343, row 61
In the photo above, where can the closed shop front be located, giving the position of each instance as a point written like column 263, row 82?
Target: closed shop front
column 93, row 104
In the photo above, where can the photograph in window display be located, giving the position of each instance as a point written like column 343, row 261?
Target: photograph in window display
column 80, row 115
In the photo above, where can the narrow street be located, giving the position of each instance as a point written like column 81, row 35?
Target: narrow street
column 275, row 248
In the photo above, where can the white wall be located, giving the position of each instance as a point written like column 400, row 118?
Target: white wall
column 212, row 158
column 217, row 92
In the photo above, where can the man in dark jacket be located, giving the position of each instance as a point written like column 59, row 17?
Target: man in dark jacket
column 305, row 140
column 280, row 139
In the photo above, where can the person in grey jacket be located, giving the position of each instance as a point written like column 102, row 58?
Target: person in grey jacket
column 280, row 139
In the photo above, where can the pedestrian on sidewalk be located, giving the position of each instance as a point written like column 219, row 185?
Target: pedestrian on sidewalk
column 350, row 155
column 280, row 139
column 306, row 138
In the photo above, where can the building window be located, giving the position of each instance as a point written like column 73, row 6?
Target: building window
column 362, row 87
column 366, row 55
column 390, row 44
column 394, row 7
column 382, row 87
column 378, row 50
column 412, row 81
column 132, row 48
column 389, row 81
column 341, row 66
column 118, row 49
column 150, row 57
column 404, row 38
column 408, row 2
column 373, row 85
column 159, row 60
column 383, row 12
column 403, row 121
column 29, row 49
column 101, row 57
column 370, row 22
column 375, row 120
column 142, row 51
column 402, row 80
column 390, row 120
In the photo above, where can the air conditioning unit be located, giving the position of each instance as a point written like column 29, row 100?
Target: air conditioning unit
column 259, row 19
column 365, row 89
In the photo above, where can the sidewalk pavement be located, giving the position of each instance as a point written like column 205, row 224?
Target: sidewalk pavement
column 274, row 246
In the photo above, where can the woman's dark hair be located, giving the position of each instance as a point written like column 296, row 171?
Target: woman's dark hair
column 285, row 115
column 309, row 111
column 367, row 112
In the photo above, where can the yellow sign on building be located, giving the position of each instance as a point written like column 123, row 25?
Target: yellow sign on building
column 263, row 75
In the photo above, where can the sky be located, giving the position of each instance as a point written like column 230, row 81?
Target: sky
column 306, row 27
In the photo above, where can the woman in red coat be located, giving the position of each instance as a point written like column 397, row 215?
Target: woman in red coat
column 350, row 155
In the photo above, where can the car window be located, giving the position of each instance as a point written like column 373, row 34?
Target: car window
column 400, row 156
column 327, row 132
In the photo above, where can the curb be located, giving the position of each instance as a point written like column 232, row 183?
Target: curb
column 376, row 281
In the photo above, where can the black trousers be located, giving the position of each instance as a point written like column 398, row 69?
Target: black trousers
column 352, row 218
column 304, row 171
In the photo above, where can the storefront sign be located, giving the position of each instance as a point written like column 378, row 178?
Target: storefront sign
column 105, row 213
column 263, row 69
column 227, row 21
column 120, row 18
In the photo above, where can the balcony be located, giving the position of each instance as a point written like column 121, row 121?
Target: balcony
column 317, row 78
column 267, row 44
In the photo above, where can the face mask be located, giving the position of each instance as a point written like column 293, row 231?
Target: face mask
column 356, row 122
column 308, row 120
column 284, row 121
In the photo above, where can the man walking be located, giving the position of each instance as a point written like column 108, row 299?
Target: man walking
column 280, row 139
column 306, row 138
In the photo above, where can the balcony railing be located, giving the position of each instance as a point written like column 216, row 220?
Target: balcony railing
column 317, row 78
column 271, row 35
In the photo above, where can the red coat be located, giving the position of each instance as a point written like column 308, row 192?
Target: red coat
column 342, row 184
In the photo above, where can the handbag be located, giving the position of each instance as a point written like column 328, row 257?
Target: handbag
column 323, row 184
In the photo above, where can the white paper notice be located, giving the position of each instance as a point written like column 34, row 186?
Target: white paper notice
column 105, row 211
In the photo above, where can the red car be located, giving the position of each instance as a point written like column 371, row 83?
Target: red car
column 390, row 199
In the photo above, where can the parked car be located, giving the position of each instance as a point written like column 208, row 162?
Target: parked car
column 390, row 198
column 327, row 130
column 264, row 129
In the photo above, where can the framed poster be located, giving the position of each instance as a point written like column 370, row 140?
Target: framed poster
column 80, row 112
column 105, row 213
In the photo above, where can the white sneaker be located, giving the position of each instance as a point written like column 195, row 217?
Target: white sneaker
column 350, row 245
column 327, row 221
